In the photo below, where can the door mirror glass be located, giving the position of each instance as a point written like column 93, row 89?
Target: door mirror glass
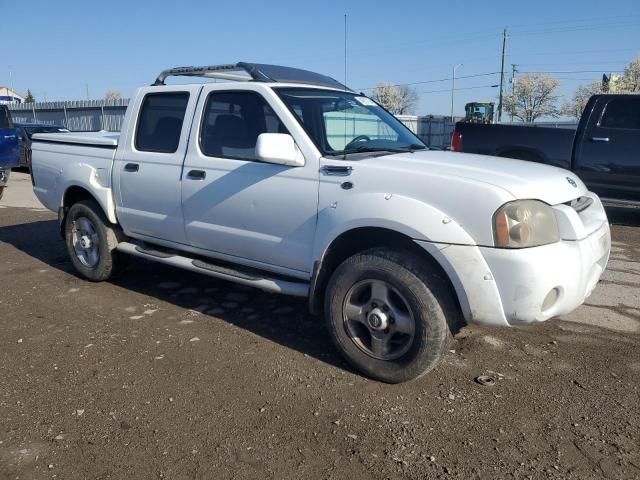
column 278, row 148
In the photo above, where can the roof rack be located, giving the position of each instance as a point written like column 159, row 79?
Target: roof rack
column 257, row 72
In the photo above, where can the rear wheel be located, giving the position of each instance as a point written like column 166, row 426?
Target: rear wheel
column 387, row 314
column 91, row 241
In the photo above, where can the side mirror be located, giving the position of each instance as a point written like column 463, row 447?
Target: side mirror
column 278, row 148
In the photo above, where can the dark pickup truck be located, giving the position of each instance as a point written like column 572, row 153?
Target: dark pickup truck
column 604, row 151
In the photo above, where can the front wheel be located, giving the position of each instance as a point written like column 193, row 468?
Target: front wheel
column 91, row 241
column 387, row 314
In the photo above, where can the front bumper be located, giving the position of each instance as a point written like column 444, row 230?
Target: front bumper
column 502, row 287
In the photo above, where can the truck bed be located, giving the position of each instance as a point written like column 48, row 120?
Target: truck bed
column 55, row 162
column 548, row 145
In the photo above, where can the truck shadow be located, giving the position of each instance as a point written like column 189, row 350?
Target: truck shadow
column 278, row 318
column 624, row 216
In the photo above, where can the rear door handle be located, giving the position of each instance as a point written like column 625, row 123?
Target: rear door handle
column 196, row 175
column 131, row 167
column 599, row 139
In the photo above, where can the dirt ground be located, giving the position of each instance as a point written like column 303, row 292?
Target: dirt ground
column 167, row 374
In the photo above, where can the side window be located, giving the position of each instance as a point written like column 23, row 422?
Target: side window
column 232, row 122
column 622, row 113
column 160, row 121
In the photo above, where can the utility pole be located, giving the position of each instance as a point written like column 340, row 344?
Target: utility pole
column 514, row 70
column 87, row 87
column 453, row 86
column 345, row 49
column 504, row 49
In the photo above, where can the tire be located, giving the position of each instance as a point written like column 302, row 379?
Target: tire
column 363, row 327
column 91, row 241
column 2, row 192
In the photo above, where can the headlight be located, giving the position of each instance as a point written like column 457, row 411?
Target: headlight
column 525, row 223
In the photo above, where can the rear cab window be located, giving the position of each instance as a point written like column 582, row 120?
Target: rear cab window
column 160, row 122
column 232, row 122
column 621, row 113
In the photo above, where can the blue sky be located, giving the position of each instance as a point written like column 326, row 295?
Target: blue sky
column 56, row 48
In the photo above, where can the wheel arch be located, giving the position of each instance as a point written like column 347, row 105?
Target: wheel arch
column 357, row 240
column 75, row 193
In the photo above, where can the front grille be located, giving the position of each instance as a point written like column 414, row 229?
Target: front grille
column 580, row 204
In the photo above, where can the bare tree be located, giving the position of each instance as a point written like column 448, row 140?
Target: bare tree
column 575, row 106
column 533, row 97
column 398, row 99
column 630, row 80
column 112, row 95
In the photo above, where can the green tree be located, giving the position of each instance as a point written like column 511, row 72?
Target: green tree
column 29, row 98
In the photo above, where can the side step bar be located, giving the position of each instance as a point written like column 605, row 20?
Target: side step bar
column 250, row 277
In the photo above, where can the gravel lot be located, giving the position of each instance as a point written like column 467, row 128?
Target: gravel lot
column 167, row 374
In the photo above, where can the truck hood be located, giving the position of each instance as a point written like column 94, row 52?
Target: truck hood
column 522, row 179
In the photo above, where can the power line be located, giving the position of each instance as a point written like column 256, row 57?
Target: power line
column 463, row 88
column 423, row 82
column 434, row 81
column 573, row 71
column 576, row 29
column 575, row 20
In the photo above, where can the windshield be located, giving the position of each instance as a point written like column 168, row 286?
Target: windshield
column 340, row 123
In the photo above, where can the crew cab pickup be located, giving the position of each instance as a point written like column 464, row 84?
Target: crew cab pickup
column 288, row 181
column 604, row 151
column 9, row 155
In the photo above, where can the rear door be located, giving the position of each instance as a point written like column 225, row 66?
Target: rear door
column 148, row 165
column 608, row 158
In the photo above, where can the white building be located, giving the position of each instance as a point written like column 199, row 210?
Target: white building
column 9, row 96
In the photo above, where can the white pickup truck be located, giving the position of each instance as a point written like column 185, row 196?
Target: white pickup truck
column 288, row 181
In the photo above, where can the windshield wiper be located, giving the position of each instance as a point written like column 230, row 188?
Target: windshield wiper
column 416, row 146
column 363, row 148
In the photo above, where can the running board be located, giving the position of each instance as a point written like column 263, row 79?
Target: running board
column 251, row 278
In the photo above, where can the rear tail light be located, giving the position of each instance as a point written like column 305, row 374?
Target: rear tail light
column 456, row 141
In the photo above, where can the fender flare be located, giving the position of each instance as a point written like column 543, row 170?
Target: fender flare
column 97, row 183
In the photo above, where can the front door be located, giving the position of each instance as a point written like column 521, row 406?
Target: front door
column 236, row 206
column 148, row 164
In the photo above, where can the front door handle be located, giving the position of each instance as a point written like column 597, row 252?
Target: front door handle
column 599, row 139
column 337, row 170
column 196, row 175
column 131, row 167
